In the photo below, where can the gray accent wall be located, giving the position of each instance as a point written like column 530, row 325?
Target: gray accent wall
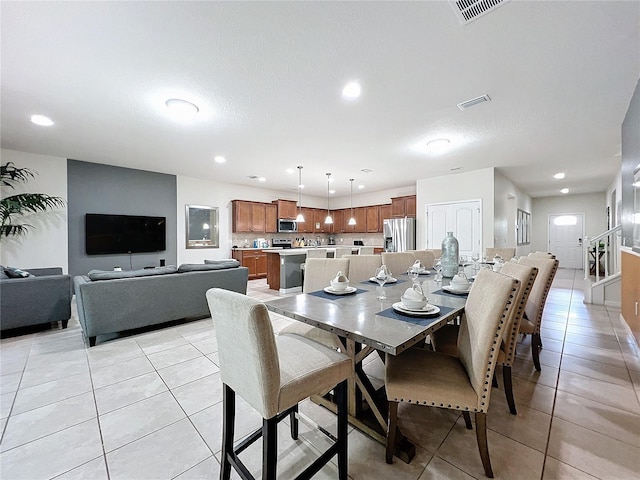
column 97, row 188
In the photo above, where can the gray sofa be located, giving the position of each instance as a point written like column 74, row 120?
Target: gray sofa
column 118, row 304
column 43, row 298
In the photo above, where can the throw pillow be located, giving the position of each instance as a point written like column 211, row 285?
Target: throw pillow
column 13, row 272
column 199, row 267
column 225, row 263
column 96, row 275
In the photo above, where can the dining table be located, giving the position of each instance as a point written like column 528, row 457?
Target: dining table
column 366, row 325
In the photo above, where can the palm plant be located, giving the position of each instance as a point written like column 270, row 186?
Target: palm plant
column 17, row 205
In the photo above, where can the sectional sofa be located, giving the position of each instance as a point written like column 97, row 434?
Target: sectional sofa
column 110, row 302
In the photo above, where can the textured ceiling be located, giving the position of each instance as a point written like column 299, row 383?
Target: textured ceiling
column 267, row 77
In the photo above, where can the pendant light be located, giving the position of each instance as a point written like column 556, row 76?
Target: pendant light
column 352, row 220
column 328, row 220
column 300, row 217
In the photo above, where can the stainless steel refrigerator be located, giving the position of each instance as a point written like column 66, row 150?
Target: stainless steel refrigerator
column 399, row 234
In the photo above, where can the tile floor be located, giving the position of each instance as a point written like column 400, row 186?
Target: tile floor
column 148, row 406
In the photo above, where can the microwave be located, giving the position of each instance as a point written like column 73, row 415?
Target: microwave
column 287, row 225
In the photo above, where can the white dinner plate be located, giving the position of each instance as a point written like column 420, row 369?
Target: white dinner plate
column 391, row 280
column 457, row 291
column 346, row 291
column 423, row 312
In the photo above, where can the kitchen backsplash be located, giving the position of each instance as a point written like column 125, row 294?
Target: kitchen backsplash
column 373, row 239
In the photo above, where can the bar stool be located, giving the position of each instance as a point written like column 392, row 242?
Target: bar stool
column 272, row 374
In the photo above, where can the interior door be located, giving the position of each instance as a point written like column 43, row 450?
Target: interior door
column 461, row 218
column 566, row 232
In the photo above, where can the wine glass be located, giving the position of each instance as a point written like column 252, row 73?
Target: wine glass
column 437, row 265
column 475, row 256
column 382, row 276
column 414, row 273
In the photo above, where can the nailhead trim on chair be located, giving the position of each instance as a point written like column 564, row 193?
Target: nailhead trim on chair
column 492, row 357
column 509, row 354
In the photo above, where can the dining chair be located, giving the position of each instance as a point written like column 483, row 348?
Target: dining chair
column 342, row 251
column 272, row 374
column 318, row 273
column 445, row 339
column 542, row 255
column 532, row 318
column 437, row 252
column 425, row 377
column 426, row 257
column 398, row 262
column 362, row 267
column 312, row 253
column 506, row 253
column 366, row 250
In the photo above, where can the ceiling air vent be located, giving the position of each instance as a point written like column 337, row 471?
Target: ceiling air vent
column 474, row 101
column 468, row 10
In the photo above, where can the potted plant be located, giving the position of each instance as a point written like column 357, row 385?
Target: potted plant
column 17, row 205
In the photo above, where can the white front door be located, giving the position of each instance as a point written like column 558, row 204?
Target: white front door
column 566, row 232
column 461, row 218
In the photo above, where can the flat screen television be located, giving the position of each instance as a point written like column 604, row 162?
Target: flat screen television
column 109, row 234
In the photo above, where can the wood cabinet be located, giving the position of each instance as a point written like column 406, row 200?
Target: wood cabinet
column 630, row 291
column 254, row 260
column 339, row 220
column 373, row 219
column 361, row 220
column 308, row 225
column 319, row 215
column 287, row 209
column 270, row 218
column 403, row 206
column 253, row 217
column 385, row 213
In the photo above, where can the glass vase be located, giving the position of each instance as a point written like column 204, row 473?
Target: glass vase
column 450, row 251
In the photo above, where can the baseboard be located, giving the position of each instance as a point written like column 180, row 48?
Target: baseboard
column 291, row 290
column 612, row 304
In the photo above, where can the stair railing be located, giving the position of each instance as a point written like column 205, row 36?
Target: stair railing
column 593, row 244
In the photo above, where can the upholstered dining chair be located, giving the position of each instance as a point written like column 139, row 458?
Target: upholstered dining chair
column 445, row 339
column 272, row 374
column 318, row 273
column 437, row 252
column 463, row 383
column 342, row 251
column 542, row 255
column 506, row 253
column 398, row 262
column 366, row 250
column 532, row 318
column 426, row 258
column 362, row 267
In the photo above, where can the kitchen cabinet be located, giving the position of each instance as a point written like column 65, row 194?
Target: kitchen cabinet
column 373, row 219
column 248, row 217
column 308, row 225
column 360, row 213
column 254, row 260
column 287, row 209
column 319, row 215
column 270, row 218
column 385, row 212
column 339, row 220
column 403, row 206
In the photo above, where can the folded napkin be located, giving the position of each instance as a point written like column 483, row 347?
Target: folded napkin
column 414, row 293
column 341, row 277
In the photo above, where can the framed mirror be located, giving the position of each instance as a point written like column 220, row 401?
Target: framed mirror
column 202, row 226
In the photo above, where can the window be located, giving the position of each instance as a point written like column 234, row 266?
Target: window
column 523, row 227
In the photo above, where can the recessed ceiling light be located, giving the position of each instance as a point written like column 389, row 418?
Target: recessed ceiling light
column 351, row 90
column 219, row 159
column 301, row 187
column 289, row 170
column 41, row 120
column 438, row 145
column 360, row 186
column 262, row 179
column 332, row 191
column 559, row 176
column 564, row 190
column 181, row 109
